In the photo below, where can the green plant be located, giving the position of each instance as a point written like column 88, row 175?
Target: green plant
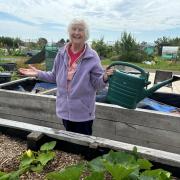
column 101, row 47
column 37, row 160
column 14, row 76
column 73, row 173
column 1, row 69
column 32, row 161
column 12, row 175
column 120, row 165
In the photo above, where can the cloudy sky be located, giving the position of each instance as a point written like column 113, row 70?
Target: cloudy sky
column 146, row 20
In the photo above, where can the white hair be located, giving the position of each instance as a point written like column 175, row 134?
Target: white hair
column 81, row 22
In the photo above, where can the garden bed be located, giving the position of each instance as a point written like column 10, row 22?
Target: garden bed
column 12, row 148
column 69, row 145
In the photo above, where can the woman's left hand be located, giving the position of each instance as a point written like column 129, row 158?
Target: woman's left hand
column 108, row 72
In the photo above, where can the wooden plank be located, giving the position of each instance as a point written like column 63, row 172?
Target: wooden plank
column 92, row 141
column 16, row 81
column 146, row 143
column 57, row 124
column 27, row 105
column 12, row 93
column 154, row 119
column 103, row 111
column 144, row 136
column 104, row 128
column 150, row 134
column 39, row 115
column 49, row 92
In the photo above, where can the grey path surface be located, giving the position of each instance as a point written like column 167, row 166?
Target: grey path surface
column 174, row 89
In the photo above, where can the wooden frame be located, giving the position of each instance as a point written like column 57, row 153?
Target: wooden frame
column 140, row 127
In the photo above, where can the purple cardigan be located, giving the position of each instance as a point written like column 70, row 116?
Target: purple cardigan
column 77, row 103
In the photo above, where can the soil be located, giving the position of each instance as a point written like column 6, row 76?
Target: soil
column 11, row 150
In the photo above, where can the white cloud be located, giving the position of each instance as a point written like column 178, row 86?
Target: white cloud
column 114, row 15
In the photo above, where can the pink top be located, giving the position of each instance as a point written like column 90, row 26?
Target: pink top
column 73, row 61
column 74, row 56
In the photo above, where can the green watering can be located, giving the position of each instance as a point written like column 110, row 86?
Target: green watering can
column 127, row 89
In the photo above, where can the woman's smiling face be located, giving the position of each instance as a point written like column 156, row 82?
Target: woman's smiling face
column 77, row 34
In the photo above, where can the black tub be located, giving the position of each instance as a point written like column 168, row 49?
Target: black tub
column 8, row 66
column 28, row 85
column 5, row 77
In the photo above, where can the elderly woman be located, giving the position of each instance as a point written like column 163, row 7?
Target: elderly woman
column 78, row 74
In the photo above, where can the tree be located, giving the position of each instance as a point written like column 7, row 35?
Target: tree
column 17, row 42
column 117, row 47
column 7, row 43
column 178, row 54
column 128, row 43
column 174, row 41
column 100, row 47
column 130, row 49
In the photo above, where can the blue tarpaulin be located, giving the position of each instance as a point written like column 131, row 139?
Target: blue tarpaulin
column 146, row 103
column 151, row 104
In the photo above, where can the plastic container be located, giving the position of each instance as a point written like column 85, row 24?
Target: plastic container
column 8, row 66
column 5, row 77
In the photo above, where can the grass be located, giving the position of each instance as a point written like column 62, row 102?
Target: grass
column 167, row 65
column 12, row 59
column 160, row 65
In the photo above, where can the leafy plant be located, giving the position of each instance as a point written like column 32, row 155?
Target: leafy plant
column 37, row 160
column 72, row 173
column 1, row 69
column 120, row 165
column 31, row 160
column 12, row 175
column 159, row 174
column 95, row 176
column 120, row 171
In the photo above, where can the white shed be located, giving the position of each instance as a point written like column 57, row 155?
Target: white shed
column 170, row 52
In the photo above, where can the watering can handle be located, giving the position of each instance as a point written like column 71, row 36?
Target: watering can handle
column 143, row 73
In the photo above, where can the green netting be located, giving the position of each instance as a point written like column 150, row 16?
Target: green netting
column 49, row 64
column 51, row 51
column 149, row 50
column 50, row 54
column 168, row 56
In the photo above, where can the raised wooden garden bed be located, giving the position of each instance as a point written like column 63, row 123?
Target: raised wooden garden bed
column 140, row 127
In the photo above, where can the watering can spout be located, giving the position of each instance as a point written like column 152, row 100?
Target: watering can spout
column 161, row 84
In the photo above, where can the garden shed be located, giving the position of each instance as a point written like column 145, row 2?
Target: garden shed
column 170, row 52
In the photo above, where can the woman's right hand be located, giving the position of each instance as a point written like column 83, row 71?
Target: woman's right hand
column 31, row 71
